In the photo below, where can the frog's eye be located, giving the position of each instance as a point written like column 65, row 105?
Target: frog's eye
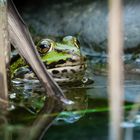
column 71, row 41
column 45, row 46
column 76, row 43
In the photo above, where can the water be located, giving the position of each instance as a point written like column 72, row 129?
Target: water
column 92, row 126
column 87, row 118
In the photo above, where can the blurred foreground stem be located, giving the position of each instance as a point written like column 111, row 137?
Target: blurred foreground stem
column 3, row 53
column 115, row 89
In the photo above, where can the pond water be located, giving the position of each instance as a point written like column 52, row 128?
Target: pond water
column 88, row 118
column 94, row 124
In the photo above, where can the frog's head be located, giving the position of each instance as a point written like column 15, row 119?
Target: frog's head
column 63, row 60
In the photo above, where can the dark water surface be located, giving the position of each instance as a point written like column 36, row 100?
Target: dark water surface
column 88, row 118
column 91, row 101
column 94, row 124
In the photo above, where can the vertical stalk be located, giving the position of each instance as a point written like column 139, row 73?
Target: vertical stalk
column 3, row 54
column 115, row 89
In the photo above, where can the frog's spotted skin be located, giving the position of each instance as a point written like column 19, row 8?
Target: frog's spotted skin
column 68, row 73
column 63, row 60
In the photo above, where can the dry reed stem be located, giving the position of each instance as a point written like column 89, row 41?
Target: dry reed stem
column 3, row 52
column 115, row 88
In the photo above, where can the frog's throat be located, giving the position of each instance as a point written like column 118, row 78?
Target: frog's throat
column 63, row 75
column 68, row 73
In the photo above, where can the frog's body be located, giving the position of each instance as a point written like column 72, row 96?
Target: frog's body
column 63, row 60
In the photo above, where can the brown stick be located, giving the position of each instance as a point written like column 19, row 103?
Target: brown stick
column 115, row 69
column 22, row 40
column 3, row 53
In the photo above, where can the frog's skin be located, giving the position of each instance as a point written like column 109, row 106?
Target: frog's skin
column 63, row 60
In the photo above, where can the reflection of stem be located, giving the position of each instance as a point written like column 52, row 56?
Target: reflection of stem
column 3, row 126
column 132, row 114
column 49, row 112
column 134, row 109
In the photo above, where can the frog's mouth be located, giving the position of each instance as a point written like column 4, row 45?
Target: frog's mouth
column 68, row 73
column 70, row 70
column 62, row 73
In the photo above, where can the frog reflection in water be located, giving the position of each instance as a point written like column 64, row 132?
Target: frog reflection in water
column 63, row 60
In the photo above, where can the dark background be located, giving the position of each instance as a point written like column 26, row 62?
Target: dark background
column 86, row 18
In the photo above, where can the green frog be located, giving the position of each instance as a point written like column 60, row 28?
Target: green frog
column 63, row 61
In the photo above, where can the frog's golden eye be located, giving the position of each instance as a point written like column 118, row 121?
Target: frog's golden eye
column 45, row 46
column 76, row 43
